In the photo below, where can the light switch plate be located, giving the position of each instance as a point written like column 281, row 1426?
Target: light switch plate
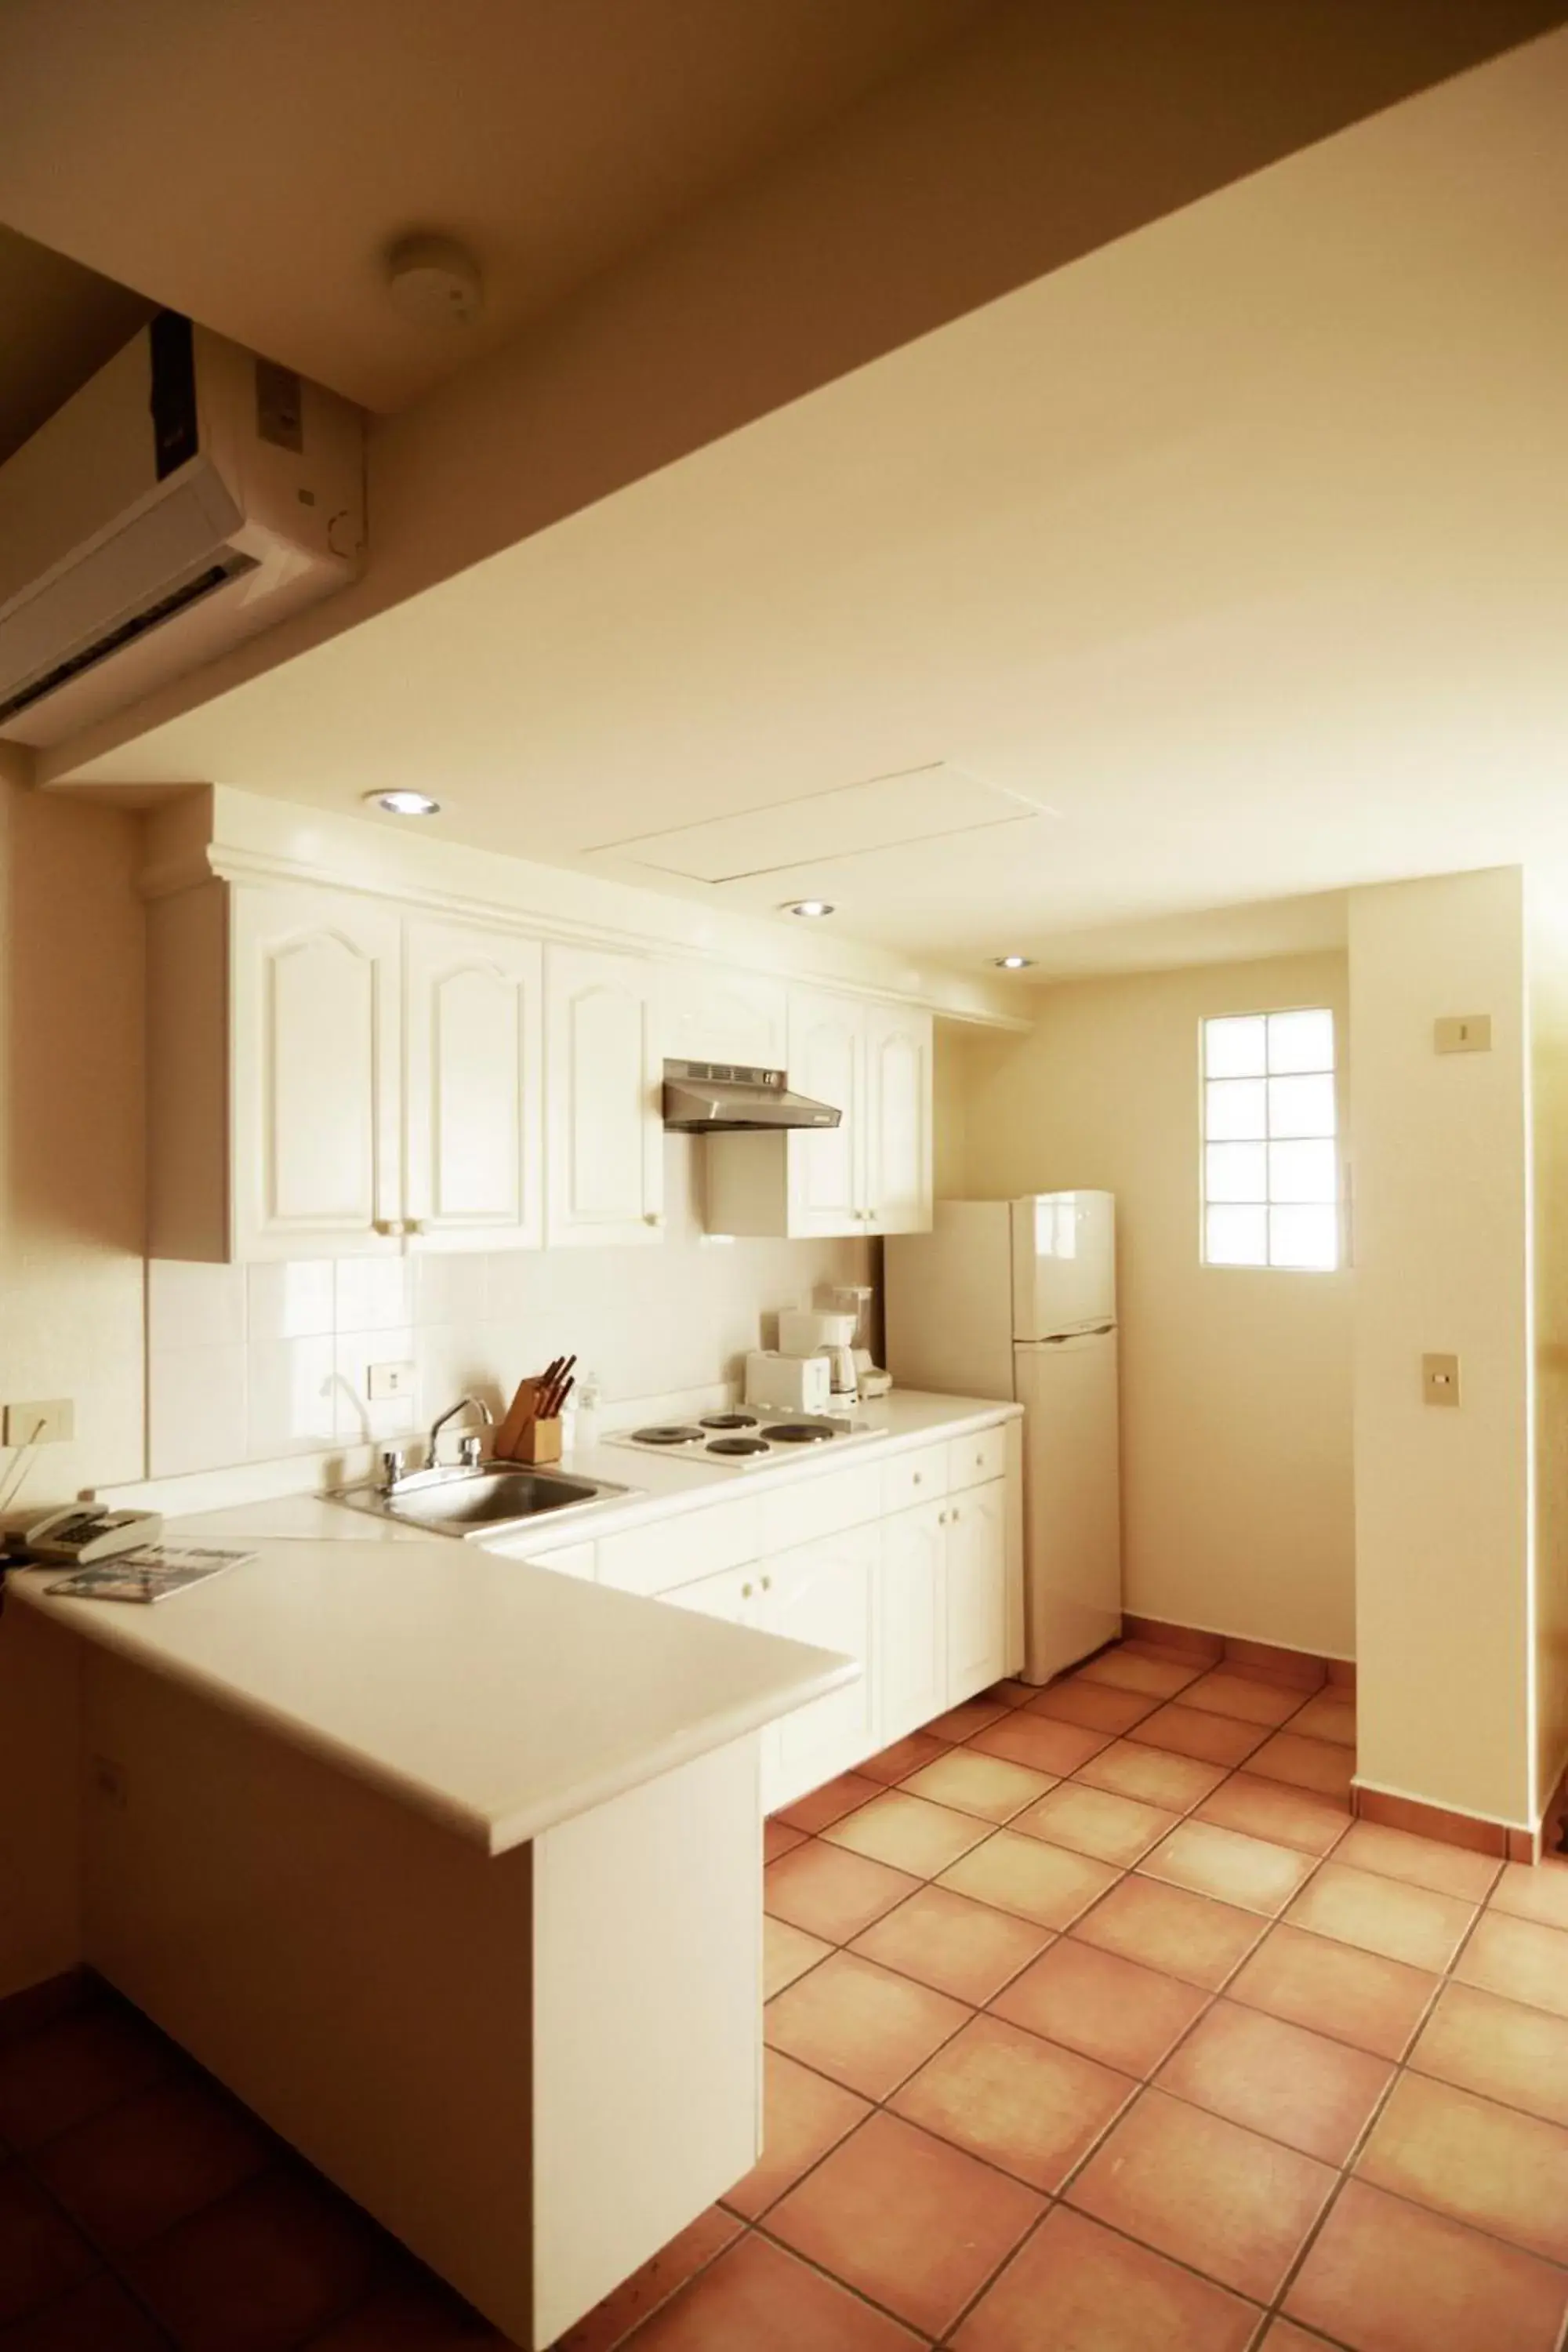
column 51, row 1422
column 1463, row 1032
column 384, row 1381
column 1440, row 1379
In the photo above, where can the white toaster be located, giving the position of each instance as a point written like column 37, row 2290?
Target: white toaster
column 789, row 1383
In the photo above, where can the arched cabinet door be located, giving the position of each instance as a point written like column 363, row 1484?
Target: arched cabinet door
column 474, row 1087
column 898, row 1119
column 828, row 1061
column 315, row 1076
column 604, row 1124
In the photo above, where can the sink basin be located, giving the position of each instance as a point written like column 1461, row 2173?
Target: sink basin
column 490, row 1499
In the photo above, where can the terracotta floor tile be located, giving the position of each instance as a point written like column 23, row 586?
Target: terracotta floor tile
column 1518, row 1959
column 1328, row 1716
column 1110, row 2009
column 1418, row 1861
column 987, row 1786
column 1249, row 1872
column 1313, row 2093
column 1284, row 2335
column 820, row 1808
column 48, row 2003
column 863, row 2025
column 1152, row 1775
column 1268, row 1809
column 40, row 2254
column 152, row 2160
column 1091, row 1820
column 1037, row 1881
column 263, row 2269
column 1081, row 2288
column 1040, row 1742
column 59, row 2077
column 1387, row 2277
column 1188, row 1731
column 804, row 2115
column 905, row 1755
column 1305, row 1764
column 1223, row 1692
column 1354, row 1996
column 1232, row 2205
column 1499, row 2049
column 1026, row 2105
column 907, row 2219
column 417, row 2313
column 97, row 2317
column 787, row 1953
column 1539, row 1893
column 1165, row 1928
column 830, row 1893
column 611, row 2322
column 1155, row 1677
column 1016, row 1694
column 1475, row 2161
column 909, row 1833
column 757, row 2298
column 1098, row 1706
column 962, row 1722
column 779, row 1839
column 1383, row 1914
column 967, row 1949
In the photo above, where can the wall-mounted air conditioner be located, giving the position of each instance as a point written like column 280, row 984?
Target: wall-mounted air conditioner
column 188, row 496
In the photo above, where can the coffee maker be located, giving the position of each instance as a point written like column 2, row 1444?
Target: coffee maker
column 821, row 1331
column 855, row 1299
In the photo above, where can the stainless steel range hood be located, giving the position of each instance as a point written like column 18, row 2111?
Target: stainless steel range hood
column 723, row 1099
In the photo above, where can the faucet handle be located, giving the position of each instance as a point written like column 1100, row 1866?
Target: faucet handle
column 393, row 1464
column 470, row 1450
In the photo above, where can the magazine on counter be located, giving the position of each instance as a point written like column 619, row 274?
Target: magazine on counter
column 153, row 1572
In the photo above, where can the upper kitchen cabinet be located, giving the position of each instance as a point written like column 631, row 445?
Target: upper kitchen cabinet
column 714, row 1013
column 870, row 1174
column 474, row 1087
column 604, row 1131
column 274, row 1077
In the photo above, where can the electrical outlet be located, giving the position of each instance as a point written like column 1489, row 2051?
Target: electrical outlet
column 49, row 1423
column 1440, row 1379
column 385, row 1380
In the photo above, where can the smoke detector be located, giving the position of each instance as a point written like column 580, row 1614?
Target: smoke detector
column 435, row 281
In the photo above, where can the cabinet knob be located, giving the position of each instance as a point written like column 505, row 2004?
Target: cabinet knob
column 767, row 1584
column 745, row 1591
column 957, row 1514
column 654, row 1217
column 920, row 1478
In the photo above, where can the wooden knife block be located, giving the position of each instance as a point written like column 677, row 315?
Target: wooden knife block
column 524, row 1437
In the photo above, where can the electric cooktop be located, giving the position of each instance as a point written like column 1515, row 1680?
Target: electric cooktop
column 734, row 1439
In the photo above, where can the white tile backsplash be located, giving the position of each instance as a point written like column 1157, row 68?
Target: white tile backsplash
column 374, row 1293
column 293, row 1302
column 193, row 1306
column 360, row 1422
column 196, row 1409
column 292, row 1406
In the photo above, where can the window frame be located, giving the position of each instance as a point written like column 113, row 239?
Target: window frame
column 1340, row 1203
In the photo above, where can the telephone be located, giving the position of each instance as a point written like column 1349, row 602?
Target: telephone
column 84, row 1532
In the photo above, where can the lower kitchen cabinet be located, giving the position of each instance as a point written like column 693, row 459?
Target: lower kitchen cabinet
column 912, row 1620
column 976, row 1554
column 825, row 1594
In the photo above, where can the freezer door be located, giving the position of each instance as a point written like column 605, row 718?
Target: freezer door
column 1064, row 1262
column 1072, row 1500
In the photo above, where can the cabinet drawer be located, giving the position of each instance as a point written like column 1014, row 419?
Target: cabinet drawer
column 972, row 1460
column 802, row 1512
column 569, row 1559
column 911, row 1479
column 679, row 1551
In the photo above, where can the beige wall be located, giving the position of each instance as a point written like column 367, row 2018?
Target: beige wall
column 1547, row 935
column 1444, row 1631
column 1237, row 1485
column 71, row 1283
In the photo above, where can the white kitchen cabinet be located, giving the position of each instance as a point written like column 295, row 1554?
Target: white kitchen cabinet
column 474, row 1087
column 977, row 1633
column 870, row 1174
column 912, row 1620
column 604, row 1126
column 824, row 1594
column 713, row 1012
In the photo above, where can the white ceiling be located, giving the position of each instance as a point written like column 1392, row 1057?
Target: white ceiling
column 1240, row 547
column 251, row 164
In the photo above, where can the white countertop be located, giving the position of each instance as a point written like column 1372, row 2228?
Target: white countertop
column 496, row 1698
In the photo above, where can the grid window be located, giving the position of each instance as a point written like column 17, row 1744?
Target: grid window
column 1271, row 1185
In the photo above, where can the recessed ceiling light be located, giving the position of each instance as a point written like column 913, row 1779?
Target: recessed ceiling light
column 401, row 804
column 1014, row 963
column 810, row 906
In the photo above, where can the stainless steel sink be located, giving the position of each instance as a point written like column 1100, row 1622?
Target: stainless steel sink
column 490, row 1500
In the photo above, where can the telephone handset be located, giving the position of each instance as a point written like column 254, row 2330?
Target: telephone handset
column 84, row 1532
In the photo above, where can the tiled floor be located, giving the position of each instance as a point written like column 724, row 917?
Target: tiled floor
column 1094, row 2024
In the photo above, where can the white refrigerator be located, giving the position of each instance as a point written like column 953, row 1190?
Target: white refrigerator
column 1017, row 1298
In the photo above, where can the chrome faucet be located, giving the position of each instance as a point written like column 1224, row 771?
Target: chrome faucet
column 470, row 1446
